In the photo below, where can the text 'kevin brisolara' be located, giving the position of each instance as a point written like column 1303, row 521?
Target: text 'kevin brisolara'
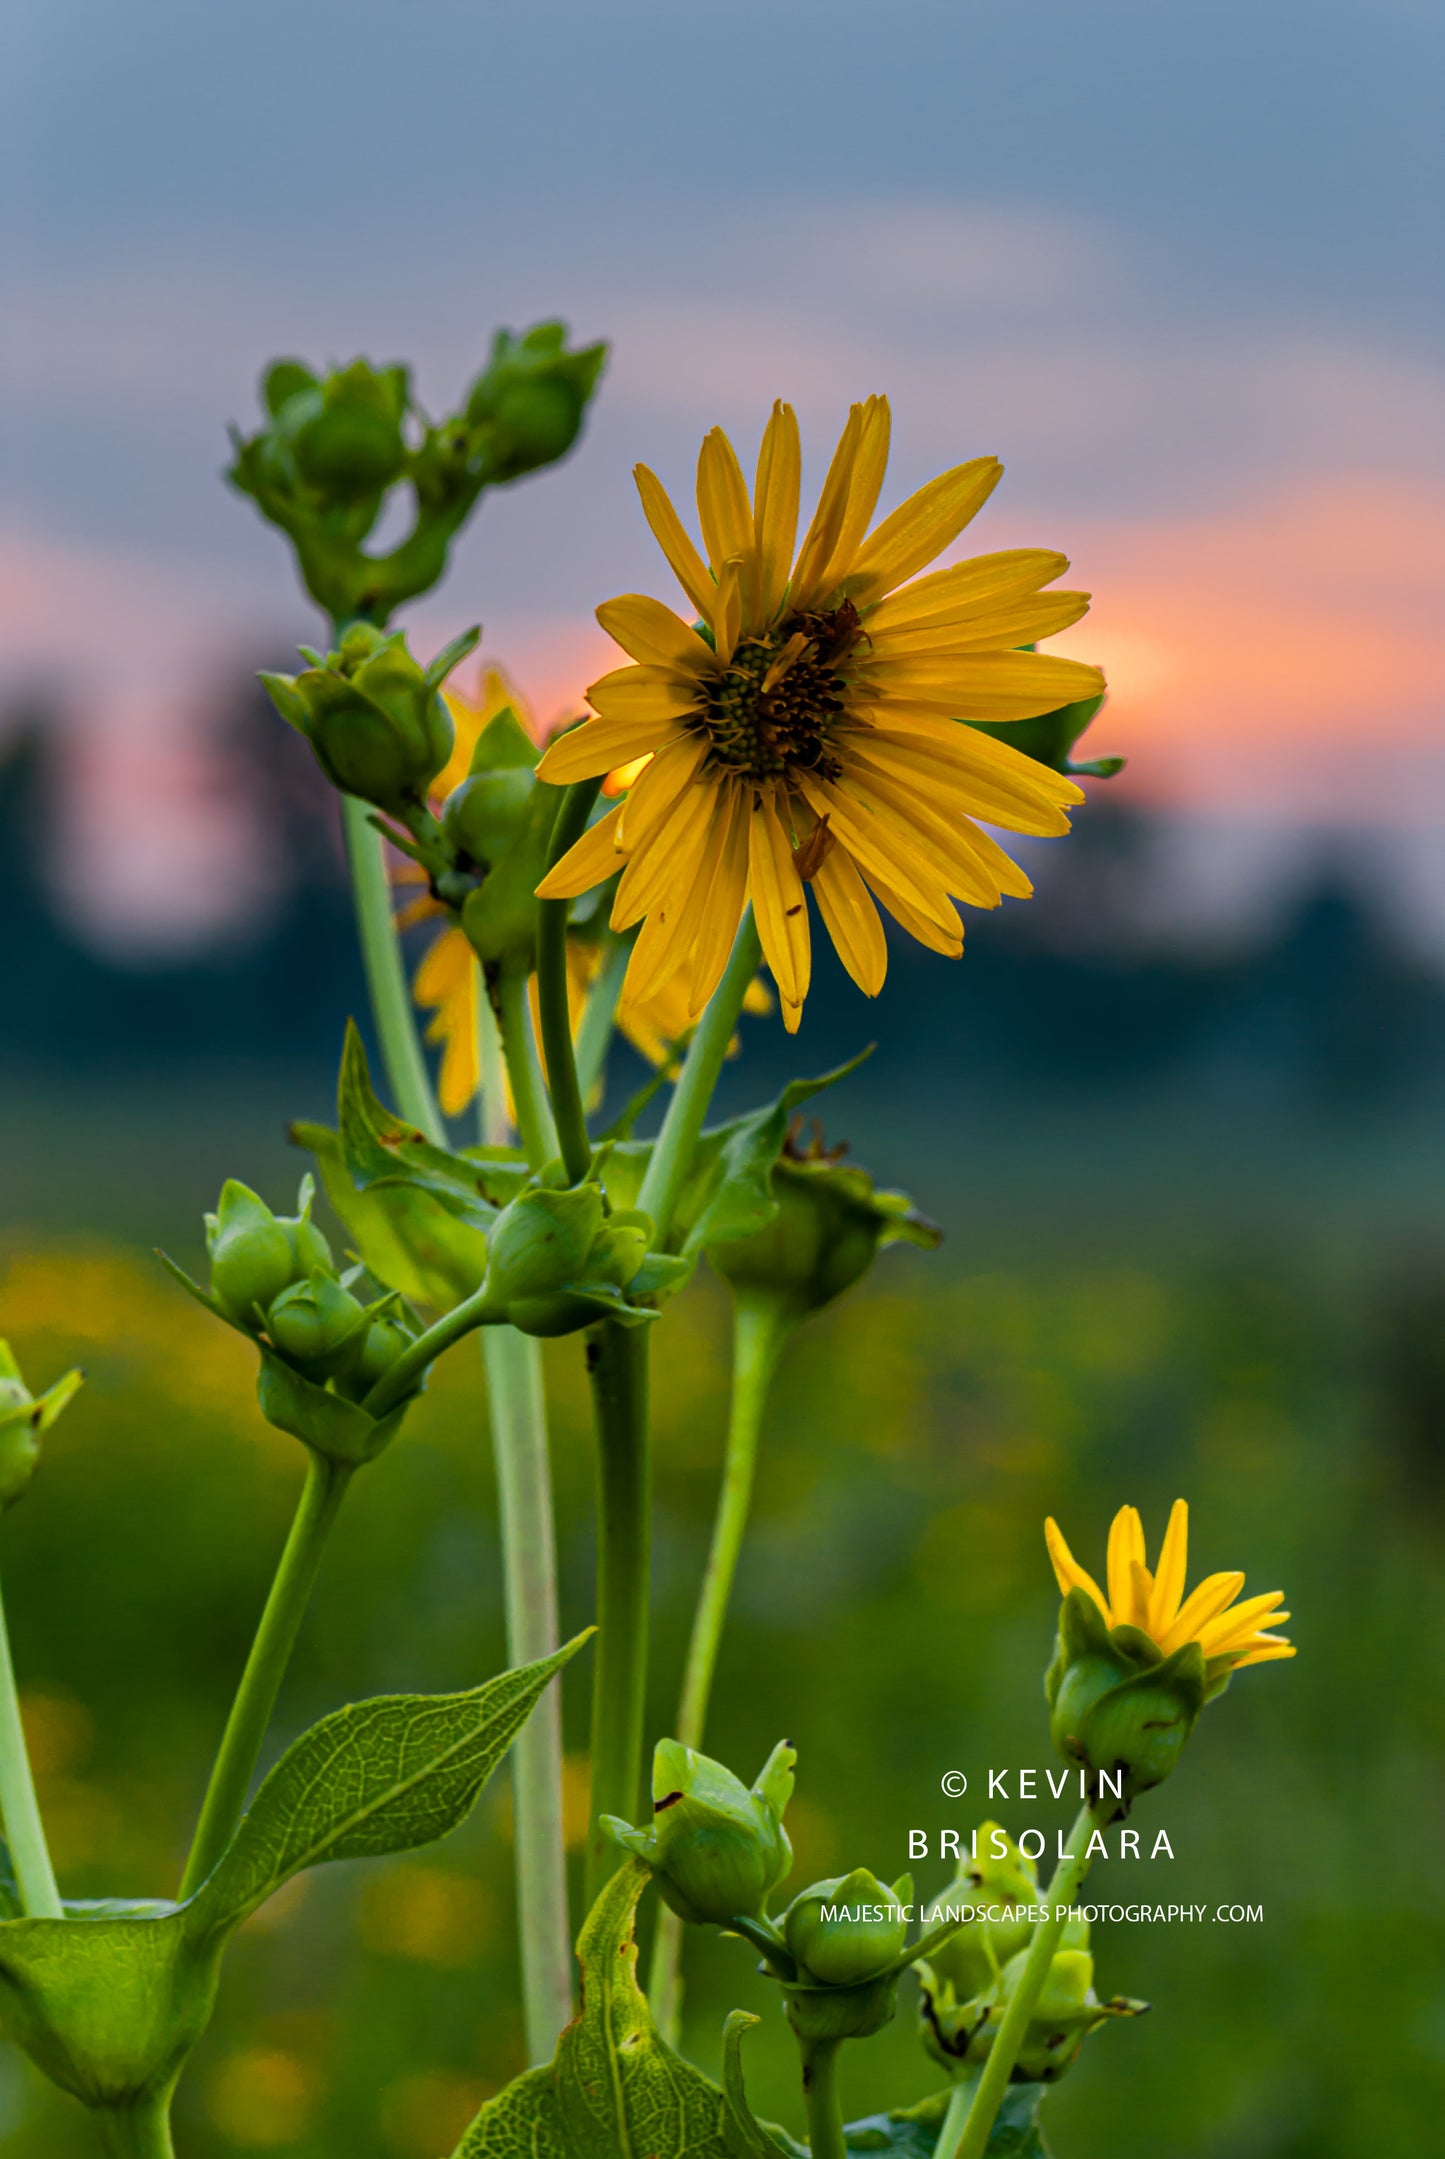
column 1033, row 1843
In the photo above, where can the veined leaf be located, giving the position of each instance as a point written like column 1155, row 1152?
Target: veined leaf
column 912, row 2132
column 729, row 1190
column 614, row 2089
column 408, row 1238
column 381, row 1776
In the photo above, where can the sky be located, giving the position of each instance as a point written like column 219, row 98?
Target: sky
column 1176, row 266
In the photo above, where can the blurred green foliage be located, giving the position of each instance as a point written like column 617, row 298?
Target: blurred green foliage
column 894, row 1615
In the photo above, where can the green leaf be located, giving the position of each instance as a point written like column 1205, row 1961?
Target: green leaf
column 408, row 1237
column 912, row 2132
column 381, row 1776
column 614, row 2089
column 757, row 2139
column 378, row 1148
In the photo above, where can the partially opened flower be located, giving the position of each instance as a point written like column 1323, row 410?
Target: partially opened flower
column 1155, row 1602
column 806, row 729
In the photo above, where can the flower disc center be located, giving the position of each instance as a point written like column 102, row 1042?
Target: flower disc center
column 773, row 708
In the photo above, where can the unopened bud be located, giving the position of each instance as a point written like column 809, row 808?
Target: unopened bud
column 373, row 716
column 23, row 1417
column 846, row 1931
column 716, row 1848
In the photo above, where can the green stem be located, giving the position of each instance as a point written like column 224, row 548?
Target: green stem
column 820, row 2097
column 617, row 1367
column 529, row 1094
column 141, row 2131
column 235, row 1763
column 524, row 1490
column 672, row 1155
column 972, row 2133
column 391, row 1007
column 552, row 1000
column 760, row 1333
column 402, row 1377
column 599, row 1014
column 960, row 2100
column 19, row 1809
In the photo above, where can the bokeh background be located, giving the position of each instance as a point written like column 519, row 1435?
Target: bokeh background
column 1178, row 1115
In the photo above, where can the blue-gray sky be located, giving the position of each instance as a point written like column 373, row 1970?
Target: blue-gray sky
column 1177, row 265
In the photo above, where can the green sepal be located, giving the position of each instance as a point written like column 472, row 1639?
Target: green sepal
column 504, row 745
column 1143, row 1723
column 614, row 2085
column 452, row 655
column 1049, row 738
column 23, row 1417
column 327, row 1423
column 499, row 916
column 757, row 2139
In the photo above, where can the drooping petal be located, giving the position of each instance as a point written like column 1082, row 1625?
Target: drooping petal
column 657, row 788
column 726, row 899
column 652, row 868
column 876, row 851
column 671, row 930
column 591, row 861
column 447, row 980
column 921, row 528
column 943, row 937
column 651, row 633
column 851, row 920
column 671, row 536
column 1067, row 1571
column 775, row 507
column 779, row 904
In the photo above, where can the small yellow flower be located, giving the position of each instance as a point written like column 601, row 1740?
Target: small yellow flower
column 1156, row 1604
column 806, row 730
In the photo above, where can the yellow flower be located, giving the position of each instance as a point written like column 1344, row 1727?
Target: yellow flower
column 1156, row 1603
column 806, row 730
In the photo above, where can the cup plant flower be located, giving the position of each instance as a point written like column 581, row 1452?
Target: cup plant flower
column 835, row 716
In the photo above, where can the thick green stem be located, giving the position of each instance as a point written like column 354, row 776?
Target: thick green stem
column 672, row 1155
column 142, row 2131
column 820, row 2097
column 760, row 1334
column 24, row 1831
column 235, row 1764
column 599, row 1014
column 972, row 2134
column 524, row 1490
column 617, row 1367
column 960, row 2100
column 552, row 1000
column 529, row 1094
column 391, row 1007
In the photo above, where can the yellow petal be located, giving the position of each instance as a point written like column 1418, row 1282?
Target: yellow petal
column 1233, row 1628
column 1267, row 1652
column 448, row 979
column 779, row 902
column 921, row 528
column 590, row 862
column 998, row 627
column 875, row 848
column 726, row 900
column 653, row 634
column 851, row 920
column 1169, row 1577
column 653, row 867
column 1067, row 1571
column 775, row 507
column 728, row 612
column 977, row 771
column 597, row 745
column 667, row 529
column 1126, row 1544
column 936, row 936
column 822, row 535
column 866, row 485
column 723, row 508
column 644, row 692
column 947, row 846
column 1199, row 1607
column 960, row 591
column 670, row 933
column 983, row 685
column 657, row 788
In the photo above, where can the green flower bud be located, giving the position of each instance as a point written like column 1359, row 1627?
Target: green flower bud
column 318, row 1326
column 373, row 716
column 961, row 2033
column 829, row 1225
column 526, row 407
column 252, row 1257
column 541, row 1241
column 23, row 1417
column 345, row 433
column 970, row 1961
column 384, row 1341
column 1116, row 1703
column 484, row 815
column 716, row 1848
column 847, row 1930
